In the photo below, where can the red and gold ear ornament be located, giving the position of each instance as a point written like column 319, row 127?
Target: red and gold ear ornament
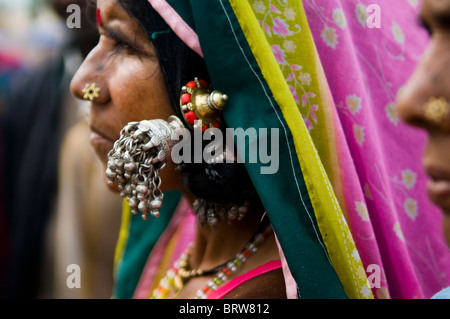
column 201, row 106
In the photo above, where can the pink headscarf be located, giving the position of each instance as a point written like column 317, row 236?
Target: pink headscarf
column 392, row 220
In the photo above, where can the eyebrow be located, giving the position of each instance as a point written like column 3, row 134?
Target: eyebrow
column 120, row 37
column 116, row 35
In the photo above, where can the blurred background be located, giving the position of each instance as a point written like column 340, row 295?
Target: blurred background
column 54, row 207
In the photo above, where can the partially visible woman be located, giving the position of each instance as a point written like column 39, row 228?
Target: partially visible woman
column 424, row 102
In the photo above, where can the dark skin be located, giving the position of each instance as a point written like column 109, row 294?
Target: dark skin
column 124, row 65
column 432, row 79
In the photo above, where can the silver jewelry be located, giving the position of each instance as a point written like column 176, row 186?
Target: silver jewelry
column 212, row 213
column 136, row 160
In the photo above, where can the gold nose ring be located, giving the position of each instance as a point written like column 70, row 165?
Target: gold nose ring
column 437, row 109
column 90, row 91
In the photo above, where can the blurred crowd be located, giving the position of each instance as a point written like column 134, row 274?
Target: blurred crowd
column 48, row 173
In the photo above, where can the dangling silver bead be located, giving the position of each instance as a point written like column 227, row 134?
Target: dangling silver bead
column 121, row 179
column 128, row 190
column 196, row 204
column 213, row 213
column 212, row 217
column 242, row 210
column 156, row 204
column 135, row 161
column 129, row 167
column 141, row 192
column 155, row 212
column 201, row 216
column 119, row 166
column 110, row 174
column 232, row 213
column 143, row 207
column 133, row 202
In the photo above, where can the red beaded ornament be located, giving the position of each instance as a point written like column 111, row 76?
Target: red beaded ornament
column 201, row 106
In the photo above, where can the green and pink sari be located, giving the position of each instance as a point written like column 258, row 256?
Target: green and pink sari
column 348, row 203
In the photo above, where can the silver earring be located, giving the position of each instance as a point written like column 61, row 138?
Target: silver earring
column 212, row 213
column 136, row 160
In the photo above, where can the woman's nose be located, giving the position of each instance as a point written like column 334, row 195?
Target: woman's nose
column 412, row 98
column 410, row 101
column 89, row 82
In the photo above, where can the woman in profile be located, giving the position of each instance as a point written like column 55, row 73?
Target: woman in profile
column 168, row 66
column 137, row 74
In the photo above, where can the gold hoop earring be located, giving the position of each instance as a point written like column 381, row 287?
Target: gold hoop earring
column 91, row 92
column 437, row 109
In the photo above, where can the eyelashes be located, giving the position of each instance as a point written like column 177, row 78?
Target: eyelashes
column 119, row 44
column 124, row 47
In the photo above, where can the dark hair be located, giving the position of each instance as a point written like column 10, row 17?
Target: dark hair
column 220, row 182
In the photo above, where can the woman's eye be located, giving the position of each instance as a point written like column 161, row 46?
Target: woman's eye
column 125, row 47
column 118, row 45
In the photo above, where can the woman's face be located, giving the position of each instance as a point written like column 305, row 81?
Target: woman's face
column 125, row 67
column 431, row 79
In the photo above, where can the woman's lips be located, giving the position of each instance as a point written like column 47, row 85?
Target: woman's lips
column 439, row 190
column 101, row 143
column 98, row 138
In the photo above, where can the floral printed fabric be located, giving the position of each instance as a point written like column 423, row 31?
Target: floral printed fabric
column 367, row 53
column 338, row 242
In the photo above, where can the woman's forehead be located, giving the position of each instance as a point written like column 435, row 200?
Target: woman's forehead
column 110, row 14
column 112, row 10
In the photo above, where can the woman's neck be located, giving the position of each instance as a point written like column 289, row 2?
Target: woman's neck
column 214, row 246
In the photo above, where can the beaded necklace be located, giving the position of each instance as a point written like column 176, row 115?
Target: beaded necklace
column 177, row 276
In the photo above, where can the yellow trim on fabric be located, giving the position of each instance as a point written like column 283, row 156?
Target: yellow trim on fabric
column 332, row 166
column 166, row 261
column 123, row 235
column 335, row 233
